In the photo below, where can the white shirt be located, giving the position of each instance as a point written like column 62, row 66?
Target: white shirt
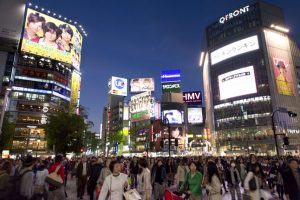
column 40, row 177
column 113, row 185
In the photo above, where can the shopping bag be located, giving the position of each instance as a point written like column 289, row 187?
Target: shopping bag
column 54, row 178
column 132, row 195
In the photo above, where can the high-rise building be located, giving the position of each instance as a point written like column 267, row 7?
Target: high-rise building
column 42, row 75
column 250, row 66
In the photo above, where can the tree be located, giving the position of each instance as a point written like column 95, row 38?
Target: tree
column 90, row 141
column 8, row 131
column 65, row 131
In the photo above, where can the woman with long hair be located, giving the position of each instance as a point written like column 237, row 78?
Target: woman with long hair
column 213, row 182
column 144, row 186
column 251, row 183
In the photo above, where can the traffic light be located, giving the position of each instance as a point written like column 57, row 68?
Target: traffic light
column 176, row 142
column 286, row 141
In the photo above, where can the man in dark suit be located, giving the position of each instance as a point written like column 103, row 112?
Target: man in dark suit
column 81, row 174
column 291, row 179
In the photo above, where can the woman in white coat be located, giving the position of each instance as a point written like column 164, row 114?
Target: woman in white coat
column 212, row 182
column 144, row 180
column 253, row 173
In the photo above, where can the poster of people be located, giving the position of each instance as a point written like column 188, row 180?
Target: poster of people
column 283, row 76
column 141, row 85
column 49, row 37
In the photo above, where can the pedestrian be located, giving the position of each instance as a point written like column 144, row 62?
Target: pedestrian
column 291, row 179
column 144, row 186
column 5, row 171
column 54, row 191
column 181, row 173
column 233, row 179
column 114, row 184
column 27, row 175
column 134, row 170
column 212, row 182
column 251, row 183
column 40, row 187
column 81, row 175
column 278, row 170
column 92, row 182
column 104, row 173
column 158, row 179
column 193, row 182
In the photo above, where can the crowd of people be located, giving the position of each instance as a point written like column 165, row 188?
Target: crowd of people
column 193, row 178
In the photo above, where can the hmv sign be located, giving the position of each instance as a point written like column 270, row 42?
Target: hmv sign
column 192, row 98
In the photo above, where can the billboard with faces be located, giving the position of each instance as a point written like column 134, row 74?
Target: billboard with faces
column 49, row 37
column 141, row 85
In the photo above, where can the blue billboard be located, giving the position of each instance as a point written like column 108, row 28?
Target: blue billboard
column 170, row 76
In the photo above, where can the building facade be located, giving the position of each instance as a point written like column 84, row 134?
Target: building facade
column 250, row 71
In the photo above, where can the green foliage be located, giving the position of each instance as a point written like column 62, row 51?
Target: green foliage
column 116, row 136
column 65, row 131
column 90, row 141
column 8, row 131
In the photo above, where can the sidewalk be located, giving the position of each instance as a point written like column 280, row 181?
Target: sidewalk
column 72, row 191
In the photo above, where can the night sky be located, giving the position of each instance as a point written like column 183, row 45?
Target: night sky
column 140, row 38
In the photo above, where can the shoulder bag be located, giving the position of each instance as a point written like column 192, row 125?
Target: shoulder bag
column 54, row 178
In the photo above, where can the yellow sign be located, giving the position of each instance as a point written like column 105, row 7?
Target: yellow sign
column 75, row 88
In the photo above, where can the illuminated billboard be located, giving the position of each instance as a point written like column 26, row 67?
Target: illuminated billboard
column 141, row 85
column 170, row 76
column 237, row 83
column 52, row 38
column 142, row 106
column 192, row 98
column 283, row 76
column 173, row 116
column 75, row 89
column 195, row 115
column 234, row 49
column 118, row 86
column 171, row 87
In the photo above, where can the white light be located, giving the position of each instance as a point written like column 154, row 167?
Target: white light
column 65, row 18
column 43, row 9
column 201, row 58
column 36, row 7
column 70, row 21
column 54, row 14
column 48, row 11
column 75, row 22
column 80, row 26
column 30, row 4
column 280, row 28
column 59, row 16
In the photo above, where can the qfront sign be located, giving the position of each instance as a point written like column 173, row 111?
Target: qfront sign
column 233, row 14
column 171, row 87
column 192, row 98
column 170, row 76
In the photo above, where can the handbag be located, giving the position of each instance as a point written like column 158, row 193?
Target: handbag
column 132, row 195
column 54, row 178
column 252, row 184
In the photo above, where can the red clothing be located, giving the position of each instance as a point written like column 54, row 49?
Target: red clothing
column 61, row 170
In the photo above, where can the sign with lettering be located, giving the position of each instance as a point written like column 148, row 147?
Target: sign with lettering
column 233, row 14
column 192, row 98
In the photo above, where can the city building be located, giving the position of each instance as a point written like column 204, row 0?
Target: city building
column 250, row 70
column 41, row 76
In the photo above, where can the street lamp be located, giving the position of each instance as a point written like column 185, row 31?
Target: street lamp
column 283, row 110
column 7, row 91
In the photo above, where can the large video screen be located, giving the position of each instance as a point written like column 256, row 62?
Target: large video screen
column 195, row 116
column 49, row 37
column 174, row 116
column 237, row 83
column 141, row 85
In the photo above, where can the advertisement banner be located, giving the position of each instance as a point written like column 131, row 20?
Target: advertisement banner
column 283, row 76
column 118, row 86
column 141, row 85
column 237, row 83
column 75, row 89
column 173, row 116
column 234, row 49
column 192, row 98
column 170, row 76
column 142, row 106
column 52, row 38
column 171, row 87
column 195, row 116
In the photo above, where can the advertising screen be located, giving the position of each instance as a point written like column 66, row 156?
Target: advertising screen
column 174, row 116
column 171, row 87
column 283, row 76
column 237, row 83
column 170, row 76
column 49, row 37
column 141, row 85
column 234, row 49
column 195, row 115
column 75, row 89
column 142, row 106
column 192, row 98
column 118, row 86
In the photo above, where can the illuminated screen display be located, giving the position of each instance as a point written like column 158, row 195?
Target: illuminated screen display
column 234, row 49
column 49, row 37
column 237, row 83
column 174, row 116
column 118, row 86
column 141, row 85
column 195, row 116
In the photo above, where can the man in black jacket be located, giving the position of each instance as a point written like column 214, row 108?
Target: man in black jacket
column 81, row 175
column 291, row 179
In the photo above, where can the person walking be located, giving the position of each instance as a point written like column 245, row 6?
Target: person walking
column 212, row 182
column 158, row 180
column 114, row 184
column 233, row 179
column 181, row 173
column 40, row 187
column 4, row 179
column 192, row 183
column 144, row 186
column 27, row 175
column 251, row 183
column 57, row 192
column 94, row 177
column 81, row 175
column 134, row 170
column 291, row 179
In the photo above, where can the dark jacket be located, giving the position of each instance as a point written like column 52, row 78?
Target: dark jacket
column 79, row 170
column 290, row 184
column 134, row 167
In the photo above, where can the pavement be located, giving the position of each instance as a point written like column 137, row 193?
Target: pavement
column 72, row 192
